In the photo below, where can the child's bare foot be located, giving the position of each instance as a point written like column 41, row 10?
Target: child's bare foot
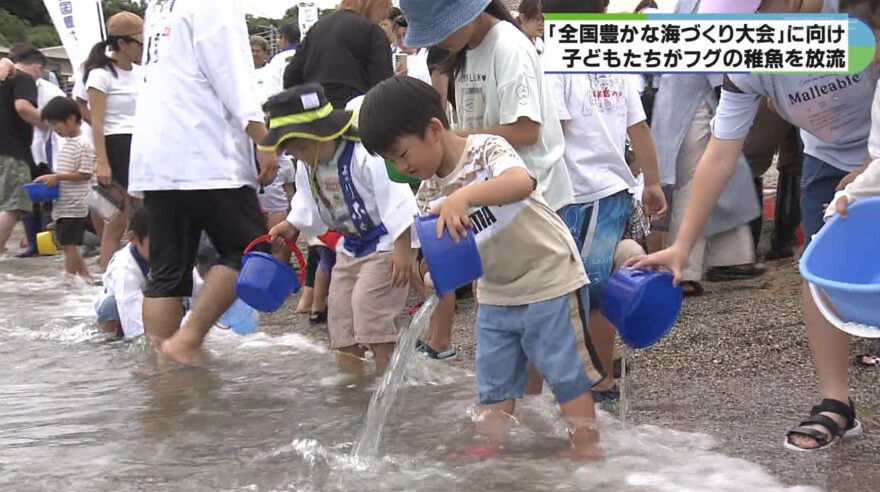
column 304, row 306
column 586, row 454
column 180, row 352
column 481, row 452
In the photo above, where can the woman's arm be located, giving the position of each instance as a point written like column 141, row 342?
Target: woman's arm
column 98, row 103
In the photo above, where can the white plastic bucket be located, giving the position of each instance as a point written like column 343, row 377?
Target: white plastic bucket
column 103, row 203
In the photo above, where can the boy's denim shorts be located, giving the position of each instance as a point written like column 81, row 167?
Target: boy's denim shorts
column 597, row 228
column 819, row 182
column 107, row 310
column 543, row 333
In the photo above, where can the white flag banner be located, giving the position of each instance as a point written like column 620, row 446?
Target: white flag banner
column 80, row 24
column 308, row 15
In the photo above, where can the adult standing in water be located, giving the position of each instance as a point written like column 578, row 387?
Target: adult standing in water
column 197, row 122
column 113, row 83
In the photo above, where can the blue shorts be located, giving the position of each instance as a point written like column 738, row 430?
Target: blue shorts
column 107, row 310
column 552, row 335
column 819, row 182
column 597, row 228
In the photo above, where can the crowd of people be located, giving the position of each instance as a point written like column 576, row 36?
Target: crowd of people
column 203, row 143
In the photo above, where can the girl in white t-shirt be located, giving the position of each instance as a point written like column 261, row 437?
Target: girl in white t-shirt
column 112, row 84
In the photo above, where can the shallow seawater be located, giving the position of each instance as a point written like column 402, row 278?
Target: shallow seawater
column 269, row 413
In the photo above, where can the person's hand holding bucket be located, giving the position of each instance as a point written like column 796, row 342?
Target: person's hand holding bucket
column 673, row 259
column 452, row 214
column 282, row 232
column 451, row 263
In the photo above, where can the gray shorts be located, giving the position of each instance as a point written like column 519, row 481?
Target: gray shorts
column 14, row 174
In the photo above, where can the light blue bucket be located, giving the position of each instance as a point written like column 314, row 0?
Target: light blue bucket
column 843, row 262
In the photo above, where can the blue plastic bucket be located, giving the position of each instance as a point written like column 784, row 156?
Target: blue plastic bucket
column 40, row 193
column 843, row 260
column 643, row 305
column 264, row 282
column 240, row 318
column 451, row 264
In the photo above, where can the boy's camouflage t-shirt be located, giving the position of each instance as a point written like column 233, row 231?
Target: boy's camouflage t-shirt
column 528, row 253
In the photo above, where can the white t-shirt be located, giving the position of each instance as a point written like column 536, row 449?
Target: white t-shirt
column 122, row 93
column 503, row 81
column 277, row 66
column 416, row 65
column 76, row 156
column 125, row 281
column 46, row 91
column 597, row 110
column 199, row 96
column 266, row 83
column 79, row 92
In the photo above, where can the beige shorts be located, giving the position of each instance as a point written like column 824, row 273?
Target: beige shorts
column 363, row 306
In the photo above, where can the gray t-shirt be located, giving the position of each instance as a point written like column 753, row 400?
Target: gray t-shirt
column 832, row 111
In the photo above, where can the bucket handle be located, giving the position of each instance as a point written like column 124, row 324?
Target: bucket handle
column 290, row 245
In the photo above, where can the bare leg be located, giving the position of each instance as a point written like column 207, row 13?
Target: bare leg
column 306, row 298
column 580, row 415
column 830, row 348
column 98, row 224
column 216, row 298
column 656, row 241
column 494, row 421
column 71, row 261
column 351, row 359
column 319, row 295
column 439, row 336
column 7, row 223
column 112, row 236
column 602, row 332
column 535, row 384
column 162, row 318
column 382, row 355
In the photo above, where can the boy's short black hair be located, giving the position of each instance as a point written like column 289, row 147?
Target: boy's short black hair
column 395, row 108
column 575, row 6
column 59, row 109
column 291, row 32
column 30, row 56
column 138, row 225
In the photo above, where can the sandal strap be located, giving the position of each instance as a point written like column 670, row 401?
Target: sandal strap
column 827, row 422
column 834, row 406
column 821, row 438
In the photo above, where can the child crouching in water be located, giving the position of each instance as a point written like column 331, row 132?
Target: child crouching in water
column 120, row 308
column 343, row 188
column 73, row 172
column 532, row 297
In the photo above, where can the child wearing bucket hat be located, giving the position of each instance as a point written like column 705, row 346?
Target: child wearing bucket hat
column 532, row 296
column 344, row 188
column 834, row 149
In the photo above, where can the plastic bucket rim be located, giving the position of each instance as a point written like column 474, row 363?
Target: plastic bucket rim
column 835, row 284
column 662, row 334
column 829, row 315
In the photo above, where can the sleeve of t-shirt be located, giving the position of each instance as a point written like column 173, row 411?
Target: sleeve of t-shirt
column 25, row 88
column 79, row 88
column 100, row 80
column 87, row 159
column 395, row 201
column 635, row 112
column 220, row 43
column 736, row 111
column 519, row 86
column 303, row 209
column 500, row 156
column 559, row 88
column 379, row 66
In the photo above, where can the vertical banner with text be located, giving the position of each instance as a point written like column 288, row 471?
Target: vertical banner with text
column 80, row 24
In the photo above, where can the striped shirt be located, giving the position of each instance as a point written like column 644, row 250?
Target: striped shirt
column 76, row 155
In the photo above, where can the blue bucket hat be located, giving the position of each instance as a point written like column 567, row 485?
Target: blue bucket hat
column 432, row 21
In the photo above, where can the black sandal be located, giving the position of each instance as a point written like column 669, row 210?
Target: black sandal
column 867, row 361
column 318, row 317
column 835, row 433
column 691, row 288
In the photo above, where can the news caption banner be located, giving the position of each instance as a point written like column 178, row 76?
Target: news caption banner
column 706, row 43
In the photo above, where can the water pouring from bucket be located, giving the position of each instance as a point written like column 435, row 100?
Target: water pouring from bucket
column 264, row 282
column 842, row 267
column 642, row 304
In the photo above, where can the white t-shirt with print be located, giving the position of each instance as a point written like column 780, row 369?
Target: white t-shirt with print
column 122, row 92
column 503, row 81
column 200, row 95
column 597, row 110
column 125, row 281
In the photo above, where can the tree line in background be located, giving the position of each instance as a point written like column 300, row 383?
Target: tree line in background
column 28, row 20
